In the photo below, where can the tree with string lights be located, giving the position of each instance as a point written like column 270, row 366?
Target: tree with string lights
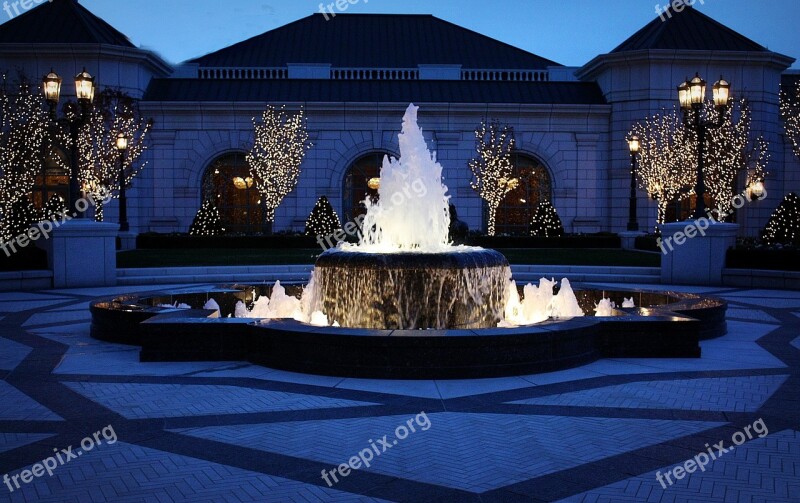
column 783, row 226
column 25, row 138
column 546, row 222
column 207, row 221
column 790, row 113
column 665, row 162
column 667, row 165
column 323, row 220
column 114, row 113
column 492, row 169
column 281, row 142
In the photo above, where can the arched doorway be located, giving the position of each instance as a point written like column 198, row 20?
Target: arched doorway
column 356, row 186
column 229, row 182
column 515, row 211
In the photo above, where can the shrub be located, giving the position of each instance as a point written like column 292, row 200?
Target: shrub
column 207, row 222
column 323, row 220
column 546, row 222
column 783, row 226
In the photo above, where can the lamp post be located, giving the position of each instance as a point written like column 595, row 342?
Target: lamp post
column 634, row 144
column 84, row 91
column 692, row 96
column 122, row 146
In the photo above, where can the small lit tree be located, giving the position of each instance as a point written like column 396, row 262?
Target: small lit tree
column 114, row 112
column 323, row 220
column 546, row 222
column 281, row 142
column 207, row 221
column 25, row 137
column 492, row 169
column 784, row 224
column 790, row 113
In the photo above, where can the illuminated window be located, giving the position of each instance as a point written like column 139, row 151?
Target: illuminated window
column 228, row 181
column 53, row 181
column 515, row 211
column 357, row 184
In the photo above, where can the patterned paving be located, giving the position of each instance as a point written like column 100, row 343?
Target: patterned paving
column 230, row 431
column 170, row 400
column 739, row 394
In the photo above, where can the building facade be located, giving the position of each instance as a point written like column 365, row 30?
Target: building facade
column 354, row 75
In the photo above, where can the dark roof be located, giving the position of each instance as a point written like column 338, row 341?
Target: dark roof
column 61, row 22
column 689, row 30
column 394, row 91
column 373, row 41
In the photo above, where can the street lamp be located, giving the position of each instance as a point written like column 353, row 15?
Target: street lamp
column 634, row 145
column 122, row 146
column 84, row 91
column 692, row 96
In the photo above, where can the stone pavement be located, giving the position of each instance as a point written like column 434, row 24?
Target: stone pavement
column 230, row 431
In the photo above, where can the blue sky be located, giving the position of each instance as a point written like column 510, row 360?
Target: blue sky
column 570, row 32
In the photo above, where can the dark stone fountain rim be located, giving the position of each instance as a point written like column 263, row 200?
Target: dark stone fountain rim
column 169, row 334
column 461, row 258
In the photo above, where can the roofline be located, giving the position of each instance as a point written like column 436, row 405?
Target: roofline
column 153, row 60
column 546, row 61
column 590, row 70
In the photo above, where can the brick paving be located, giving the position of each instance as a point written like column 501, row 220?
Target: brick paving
column 230, row 431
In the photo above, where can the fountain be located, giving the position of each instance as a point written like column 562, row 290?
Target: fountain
column 404, row 302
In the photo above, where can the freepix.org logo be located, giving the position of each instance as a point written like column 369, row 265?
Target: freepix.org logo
column 14, row 9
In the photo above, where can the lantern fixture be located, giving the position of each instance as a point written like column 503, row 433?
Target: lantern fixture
column 51, row 87
column 84, row 86
column 122, row 142
column 634, row 144
column 722, row 90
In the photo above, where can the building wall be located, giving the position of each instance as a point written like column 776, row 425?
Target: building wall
column 569, row 140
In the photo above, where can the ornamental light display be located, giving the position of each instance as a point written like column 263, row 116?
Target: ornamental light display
column 783, row 226
column 790, row 113
column 281, row 142
column 25, row 138
column 207, row 221
column 103, row 166
column 668, row 160
column 323, row 220
column 546, row 222
column 492, row 169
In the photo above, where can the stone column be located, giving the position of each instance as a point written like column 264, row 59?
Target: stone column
column 83, row 253
column 694, row 252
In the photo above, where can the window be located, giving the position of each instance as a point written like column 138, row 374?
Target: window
column 228, row 180
column 356, row 184
column 515, row 211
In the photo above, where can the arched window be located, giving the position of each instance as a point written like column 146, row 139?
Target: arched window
column 53, row 180
column 228, row 180
column 515, row 211
column 357, row 184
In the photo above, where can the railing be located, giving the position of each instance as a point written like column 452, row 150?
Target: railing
column 277, row 73
column 375, row 73
column 222, row 73
column 506, row 75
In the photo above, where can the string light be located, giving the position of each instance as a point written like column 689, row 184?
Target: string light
column 492, row 169
column 546, row 222
column 790, row 113
column 323, row 220
column 783, row 226
column 207, row 221
column 667, row 167
column 113, row 113
column 25, row 139
column 281, row 142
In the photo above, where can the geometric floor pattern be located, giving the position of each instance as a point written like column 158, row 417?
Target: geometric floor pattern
column 231, row 431
column 735, row 394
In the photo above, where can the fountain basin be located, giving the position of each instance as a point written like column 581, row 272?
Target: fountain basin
column 666, row 325
column 407, row 291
